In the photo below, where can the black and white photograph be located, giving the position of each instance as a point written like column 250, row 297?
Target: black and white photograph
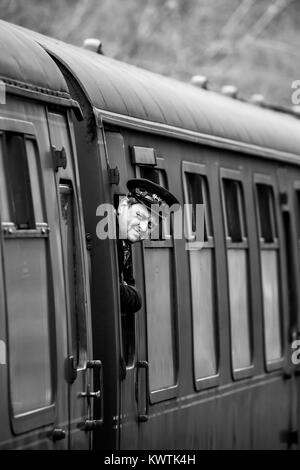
column 150, row 227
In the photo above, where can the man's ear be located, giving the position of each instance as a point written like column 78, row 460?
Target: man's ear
column 122, row 204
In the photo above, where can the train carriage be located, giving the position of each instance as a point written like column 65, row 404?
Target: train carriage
column 206, row 362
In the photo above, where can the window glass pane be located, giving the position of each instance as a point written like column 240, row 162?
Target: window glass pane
column 5, row 209
column 266, row 213
column 160, row 327
column 194, row 186
column 239, row 309
column 35, row 179
column 28, row 313
column 198, row 194
column 234, row 209
column 73, row 273
column 269, row 267
column 203, row 313
column 240, row 334
column 16, row 169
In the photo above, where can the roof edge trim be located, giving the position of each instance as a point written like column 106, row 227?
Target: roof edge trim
column 37, row 89
column 39, row 96
column 108, row 117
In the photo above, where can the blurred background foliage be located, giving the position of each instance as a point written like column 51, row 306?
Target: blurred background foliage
column 253, row 44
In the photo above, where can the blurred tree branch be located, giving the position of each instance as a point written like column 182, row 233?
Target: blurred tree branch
column 73, row 21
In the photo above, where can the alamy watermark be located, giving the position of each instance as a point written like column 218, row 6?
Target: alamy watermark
column 295, row 97
column 296, row 353
column 183, row 219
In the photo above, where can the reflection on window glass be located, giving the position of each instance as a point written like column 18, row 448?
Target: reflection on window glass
column 239, row 308
column 269, row 271
column 160, row 325
column 28, row 312
column 203, row 304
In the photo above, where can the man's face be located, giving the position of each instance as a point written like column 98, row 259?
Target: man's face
column 135, row 222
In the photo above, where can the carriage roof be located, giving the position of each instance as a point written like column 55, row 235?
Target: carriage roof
column 25, row 64
column 126, row 90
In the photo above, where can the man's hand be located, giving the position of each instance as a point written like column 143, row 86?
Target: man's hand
column 131, row 300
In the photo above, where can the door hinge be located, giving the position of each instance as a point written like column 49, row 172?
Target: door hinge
column 88, row 241
column 59, row 157
column 113, row 175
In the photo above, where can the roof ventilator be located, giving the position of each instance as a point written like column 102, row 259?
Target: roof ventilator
column 230, row 90
column 200, row 81
column 258, row 99
column 94, row 45
column 296, row 109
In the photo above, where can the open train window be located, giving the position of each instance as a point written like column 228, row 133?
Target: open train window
column 28, row 284
column 202, row 277
column 150, row 173
column 237, row 272
column 269, row 260
column 160, row 303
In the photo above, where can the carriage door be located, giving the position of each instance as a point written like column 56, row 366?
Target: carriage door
column 76, row 283
column 292, row 224
column 289, row 214
column 128, row 437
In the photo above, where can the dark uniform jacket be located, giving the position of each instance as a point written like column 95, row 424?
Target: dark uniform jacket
column 131, row 300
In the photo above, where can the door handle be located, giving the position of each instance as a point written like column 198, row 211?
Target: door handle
column 57, row 434
column 90, row 425
column 142, row 417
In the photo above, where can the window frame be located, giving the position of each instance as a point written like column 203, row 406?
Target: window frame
column 236, row 175
column 66, row 186
column 201, row 169
column 269, row 180
column 167, row 243
column 173, row 390
column 38, row 417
